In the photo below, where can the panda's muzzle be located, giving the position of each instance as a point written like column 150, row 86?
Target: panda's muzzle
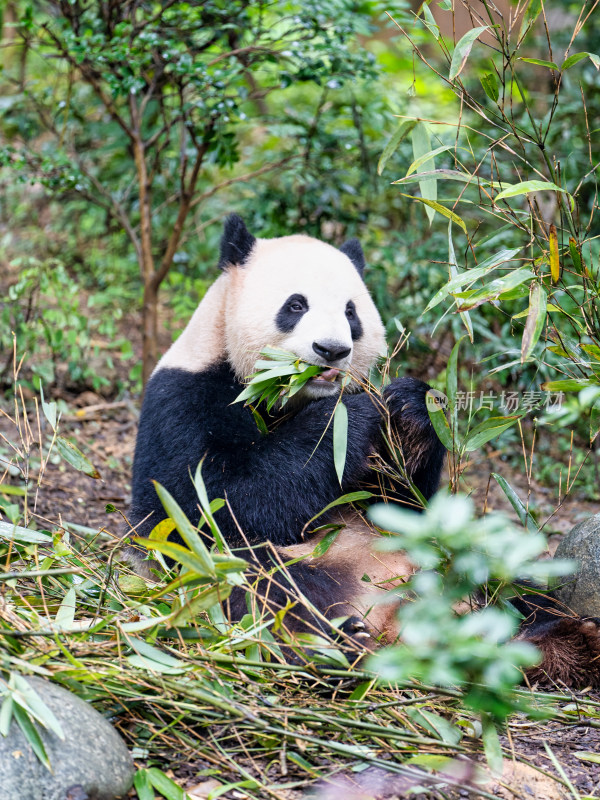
column 331, row 351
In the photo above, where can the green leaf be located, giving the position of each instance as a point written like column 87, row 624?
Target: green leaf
column 429, row 21
column 536, row 318
column 345, row 499
column 529, row 186
column 489, row 82
column 585, row 755
column 439, row 421
column 142, row 785
column 31, row 734
column 421, row 142
column 16, row 533
column 33, row 704
column 462, row 50
column 471, row 275
column 75, row 457
column 484, row 432
column 491, row 744
column 444, row 174
column 532, row 12
column 212, row 596
column 523, row 514
column 572, row 60
column 66, row 611
column 50, row 410
column 163, row 784
column 473, row 298
column 403, row 130
column 326, row 542
column 441, row 209
column 180, row 554
column 6, row 714
column 567, row 385
column 464, row 315
column 452, row 381
column 188, row 533
column 340, row 439
column 426, row 157
column 541, row 63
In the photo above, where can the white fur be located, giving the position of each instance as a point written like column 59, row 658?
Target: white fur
column 236, row 318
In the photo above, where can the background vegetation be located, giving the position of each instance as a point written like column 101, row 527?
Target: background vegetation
column 127, row 133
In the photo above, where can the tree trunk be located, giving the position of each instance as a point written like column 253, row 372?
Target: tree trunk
column 150, row 303
column 149, row 330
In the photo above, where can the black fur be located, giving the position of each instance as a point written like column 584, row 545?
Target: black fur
column 353, row 249
column 274, row 483
column 356, row 328
column 291, row 312
column 236, row 243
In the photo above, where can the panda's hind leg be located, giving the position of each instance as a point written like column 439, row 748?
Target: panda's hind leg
column 570, row 648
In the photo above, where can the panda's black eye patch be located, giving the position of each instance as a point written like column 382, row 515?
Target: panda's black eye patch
column 354, row 320
column 291, row 312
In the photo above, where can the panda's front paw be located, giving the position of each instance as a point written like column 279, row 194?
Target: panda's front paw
column 406, row 396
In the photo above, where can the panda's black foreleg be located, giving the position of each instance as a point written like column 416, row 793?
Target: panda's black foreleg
column 312, row 598
column 413, row 435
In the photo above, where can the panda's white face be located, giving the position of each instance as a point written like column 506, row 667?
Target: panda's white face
column 302, row 295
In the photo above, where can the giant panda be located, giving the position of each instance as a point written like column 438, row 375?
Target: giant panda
column 305, row 296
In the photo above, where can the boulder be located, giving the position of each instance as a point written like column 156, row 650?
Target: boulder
column 581, row 591
column 92, row 763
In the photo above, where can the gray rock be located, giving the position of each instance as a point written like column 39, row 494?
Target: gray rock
column 581, row 591
column 92, row 763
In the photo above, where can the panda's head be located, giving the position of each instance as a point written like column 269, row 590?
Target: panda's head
column 298, row 294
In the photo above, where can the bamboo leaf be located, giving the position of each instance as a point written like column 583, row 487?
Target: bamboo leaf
column 31, row 734
column 567, row 385
column 439, row 421
column 464, row 315
column 541, row 63
column 326, row 542
column 426, row 157
column 471, row 275
column 532, row 12
column 441, row 209
column 163, row 784
column 66, row 611
column 421, row 142
column 401, row 132
column 489, row 82
column 50, row 410
column 554, row 257
column 340, row 439
column 429, row 21
column 463, row 49
column 189, row 534
column 491, row 744
column 529, row 186
column 483, row 433
column 444, row 174
column 182, row 555
column 523, row 514
column 75, row 457
column 493, row 290
column 16, row 533
column 536, row 317
column 142, row 785
column 345, row 499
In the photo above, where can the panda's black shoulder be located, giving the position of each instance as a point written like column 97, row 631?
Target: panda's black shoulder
column 169, row 386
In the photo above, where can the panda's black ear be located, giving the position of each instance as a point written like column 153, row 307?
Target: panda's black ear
column 236, row 243
column 353, row 249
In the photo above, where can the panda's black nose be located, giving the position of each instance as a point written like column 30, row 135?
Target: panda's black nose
column 331, row 351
